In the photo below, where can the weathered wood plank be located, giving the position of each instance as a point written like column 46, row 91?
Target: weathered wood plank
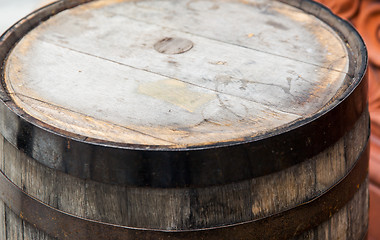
column 224, row 88
column 38, row 180
column 225, row 79
column 331, row 164
column 186, row 208
column 351, row 222
column 71, row 194
column 358, row 213
column 31, row 233
column 13, row 226
column 356, row 140
column 3, row 232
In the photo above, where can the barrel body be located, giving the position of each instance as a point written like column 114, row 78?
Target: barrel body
column 210, row 206
column 229, row 154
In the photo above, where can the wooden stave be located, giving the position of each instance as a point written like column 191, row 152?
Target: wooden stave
column 330, row 229
column 345, row 104
column 354, row 222
column 41, row 183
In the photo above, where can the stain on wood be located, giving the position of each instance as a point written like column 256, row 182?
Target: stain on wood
column 177, row 93
column 179, row 74
column 171, row 45
column 255, row 71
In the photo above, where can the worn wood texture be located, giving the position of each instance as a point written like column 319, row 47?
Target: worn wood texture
column 123, row 80
column 194, row 208
column 351, row 222
column 279, row 66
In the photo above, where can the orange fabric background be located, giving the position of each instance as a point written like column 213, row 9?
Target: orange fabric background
column 365, row 16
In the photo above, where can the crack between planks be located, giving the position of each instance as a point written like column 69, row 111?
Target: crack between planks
column 170, row 77
column 113, row 124
column 234, row 44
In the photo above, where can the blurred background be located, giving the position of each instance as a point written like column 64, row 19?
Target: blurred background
column 13, row 10
column 363, row 14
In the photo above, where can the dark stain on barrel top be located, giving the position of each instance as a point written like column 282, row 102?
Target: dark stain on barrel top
column 276, row 25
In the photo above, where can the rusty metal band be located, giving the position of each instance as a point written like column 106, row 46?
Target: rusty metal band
column 279, row 226
column 199, row 166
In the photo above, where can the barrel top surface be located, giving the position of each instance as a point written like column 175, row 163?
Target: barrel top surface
column 177, row 73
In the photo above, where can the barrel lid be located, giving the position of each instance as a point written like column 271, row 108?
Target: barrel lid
column 177, row 73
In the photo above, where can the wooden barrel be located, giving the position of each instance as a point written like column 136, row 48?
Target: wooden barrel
column 183, row 119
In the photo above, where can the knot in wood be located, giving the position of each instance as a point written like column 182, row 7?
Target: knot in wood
column 171, row 45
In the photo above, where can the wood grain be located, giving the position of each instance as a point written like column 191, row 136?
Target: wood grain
column 187, row 208
column 351, row 222
column 233, row 83
column 253, row 68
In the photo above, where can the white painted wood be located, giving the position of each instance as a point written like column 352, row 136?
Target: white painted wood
column 254, row 66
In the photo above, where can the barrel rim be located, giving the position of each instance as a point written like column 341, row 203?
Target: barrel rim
column 306, row 137
column 277, row 131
